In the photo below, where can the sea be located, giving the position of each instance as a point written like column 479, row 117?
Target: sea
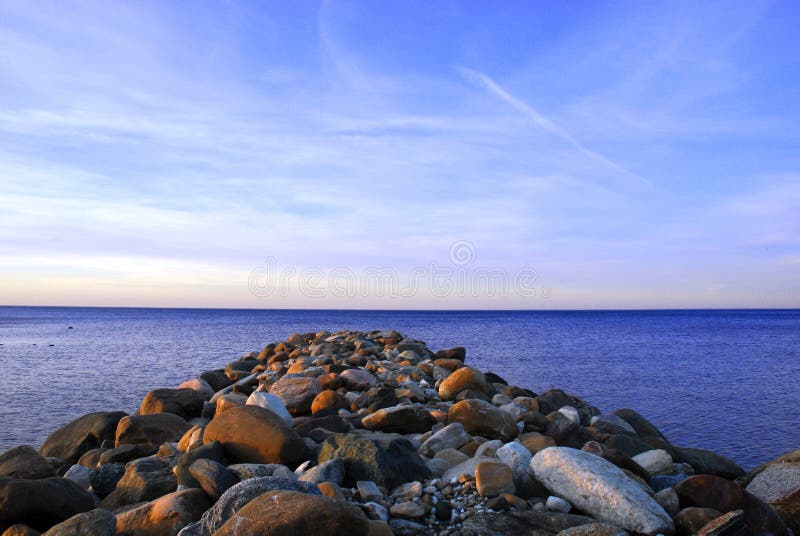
column 724, row 380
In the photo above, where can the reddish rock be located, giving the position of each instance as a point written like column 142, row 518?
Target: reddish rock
column 463, row 379
column 709, row 491
column 483, row 419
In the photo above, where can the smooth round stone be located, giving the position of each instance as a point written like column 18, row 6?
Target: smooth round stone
column 557, row 504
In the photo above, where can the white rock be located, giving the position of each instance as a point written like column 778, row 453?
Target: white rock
column 270, row 402
column 655, row 462
column 514, row 455
column 557, row 504
column 570, row 413
column 601, row 489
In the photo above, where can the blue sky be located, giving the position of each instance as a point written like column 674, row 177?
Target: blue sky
column 634, row 154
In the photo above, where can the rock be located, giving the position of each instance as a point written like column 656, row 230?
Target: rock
column 154, row 429
column 709, row 491
column 570, row 413
column 465, row 378
column 482, row 418
column 328, row 399
column 24, row 462
column 387, row 459
column 21, row 530
column 464, row 468
column 692, row 519
column 409, row 490
column 125, row 453
column 655, row 462
column 252, row 434
column 332, row 490
column 287, row 512
column 199, row 385
column 761, row 518
column 41, row 503
column 368, row 491
column 80, row 475
column 628, row 445
column 165, row 516
column 243, row 471
column 83, row 434
column 451, row 436
column 407, row 419
column 557, row 504
column 357, row 379
column 213, row 477
column 104, row 479
column 296, row 392
column 406, row 527
column 594, row 529
column 144, row 479
column 186, row 403
column 330, row 471
column 515, row 456
column 209, row 451
column 708, row 463
column 525, row 523
column 668, row 500
column 599, row 488
column 227, row 401
column 97, row 522
column 270, row 402
column 493, row 478
column 459, row 352
column 666, row 481
column 730, row 524
column 641, row 426
column 407, row 510
column 216, row 379
column 611, row 424
column 242, row 493
column 376, row 511
column 537, row 442
column 778, row 484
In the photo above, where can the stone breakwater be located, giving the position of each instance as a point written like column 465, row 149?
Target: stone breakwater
column 370, row 434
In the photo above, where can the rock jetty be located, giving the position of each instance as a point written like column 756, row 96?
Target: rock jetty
column 375, row 434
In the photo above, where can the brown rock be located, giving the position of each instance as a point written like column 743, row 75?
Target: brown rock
column 493, row 478
column 331, row 490
column 357, row 379
column 379, row 528
column 535, row 442
column 288, row 513
column 329, row 381
column 328, row 399
column 482, row 418
column 83, row 434
column 185, row 403
column 144, row 479
column 296, row 392
column 21, row 530
column 153, row 429
column 690, row 520
column 709, row 491
column 165, row 516
column 251, row 434
column 407, row 419
column 41, row 503
column 24, row 462
column 458, row 352
column 460, row 380
column 449, row 364
column 228, row 401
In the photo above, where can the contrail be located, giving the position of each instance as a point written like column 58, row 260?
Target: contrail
column 483, row 81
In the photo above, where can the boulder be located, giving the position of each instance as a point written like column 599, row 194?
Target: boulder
column 609, row 423
column 165, row 516
column 24, row 462
column 459, row 353
column 778, row 484
column 599, row 488
column 296, row 392
column 154, row 429
column 186, row 403
column 287, row 512
column 387, row 459
column 462, row 379
column 97, row 522
column 199, row 385
column 213, row 477
column 709, row 491
column 357, row 379
column 482, row 418
column 407, row 419
column 242, row 493
column 209, row 451
column 692, row 519
column 330, row 471
column 80, row 475
column 144, row 479
column 493, row 478
column 252, row 434
column 83, row 434
column 104, row 479
column 451, row 436
column 655, row 462
column 524, row 523
column 270, row 402
column 707, row 462
column 328, row 400
column 20, row 529
column 640, row 425
column 41, row 503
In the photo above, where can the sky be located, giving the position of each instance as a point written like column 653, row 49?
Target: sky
column 413, row 155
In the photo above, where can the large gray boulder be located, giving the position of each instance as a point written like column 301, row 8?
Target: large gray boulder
column 601, row 489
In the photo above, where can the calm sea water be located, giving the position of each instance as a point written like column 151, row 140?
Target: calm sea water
column 721, row 380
